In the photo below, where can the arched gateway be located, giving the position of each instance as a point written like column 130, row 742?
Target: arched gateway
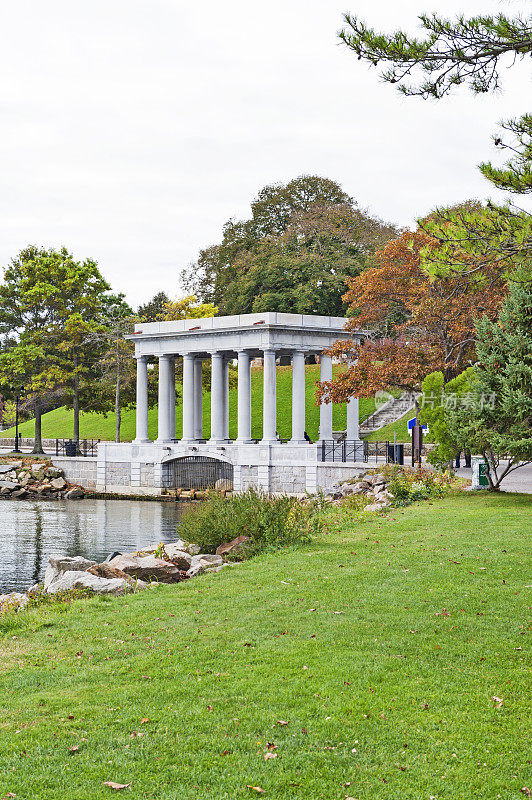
column 296, row 466
column 197, row 472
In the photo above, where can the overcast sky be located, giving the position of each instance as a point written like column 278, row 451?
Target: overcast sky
column 131, row 130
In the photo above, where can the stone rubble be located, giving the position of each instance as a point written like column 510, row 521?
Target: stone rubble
column 123, row 573
column 374, row 487
column 20, row 480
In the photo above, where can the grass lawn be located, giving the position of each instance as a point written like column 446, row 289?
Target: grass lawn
column 365, row 662
column 59, row 423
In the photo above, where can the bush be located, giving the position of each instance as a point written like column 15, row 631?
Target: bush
column 409, row 485
column 270, row 522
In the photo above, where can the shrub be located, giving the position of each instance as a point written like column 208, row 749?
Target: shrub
column 269, row 522
column 409, row 485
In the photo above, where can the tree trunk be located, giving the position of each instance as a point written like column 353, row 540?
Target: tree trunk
column 37, row 446
column 75, row 400
column 117, row 409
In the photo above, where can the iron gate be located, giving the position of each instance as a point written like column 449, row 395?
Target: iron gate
column 196, row 472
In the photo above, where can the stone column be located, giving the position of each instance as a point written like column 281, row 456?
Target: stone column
column 244, row 397
column 326, row 409
column 298, row 397
column 163, row 412
column 217, row 398
column 141, row 434
column 269, row 413
column 352, row 419
column 198, row 399
column 227, row 362
column 171, row 398
column 188, row 397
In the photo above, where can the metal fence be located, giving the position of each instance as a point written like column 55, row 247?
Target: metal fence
column 197, row 472
column 345, row 450
column 69, row 447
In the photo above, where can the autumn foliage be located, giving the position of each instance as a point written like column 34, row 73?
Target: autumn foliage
column 415, row 324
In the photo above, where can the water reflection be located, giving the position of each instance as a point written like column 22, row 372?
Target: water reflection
column 31, row 530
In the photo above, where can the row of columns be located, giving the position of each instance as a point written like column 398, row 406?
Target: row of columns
column 193, row 406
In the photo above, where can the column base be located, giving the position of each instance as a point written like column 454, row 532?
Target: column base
column 298, row 441
column 243, row 441
column 141, row 441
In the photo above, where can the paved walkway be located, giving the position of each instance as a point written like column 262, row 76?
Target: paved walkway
column 518, row 481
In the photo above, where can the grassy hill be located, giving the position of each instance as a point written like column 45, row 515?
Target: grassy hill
column 59, row 423
column 368, row 663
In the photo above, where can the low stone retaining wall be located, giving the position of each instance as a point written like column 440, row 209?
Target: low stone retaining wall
column 79, row 470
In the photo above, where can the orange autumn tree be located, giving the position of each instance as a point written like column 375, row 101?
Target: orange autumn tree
column 415, row 324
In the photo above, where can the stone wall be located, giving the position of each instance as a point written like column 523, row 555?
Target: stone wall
column 288, row 480
column 80, row 470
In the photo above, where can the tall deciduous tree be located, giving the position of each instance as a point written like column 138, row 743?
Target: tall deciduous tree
column 303, row 236
column 415, row 325
column 48, row 301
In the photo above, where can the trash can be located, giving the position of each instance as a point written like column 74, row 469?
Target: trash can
column 396, row 453
column 71, row 448
column 479, row 474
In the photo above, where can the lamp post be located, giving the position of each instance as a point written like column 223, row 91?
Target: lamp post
column 17, row 398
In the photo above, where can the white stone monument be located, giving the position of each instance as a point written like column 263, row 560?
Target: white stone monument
column 295, row 466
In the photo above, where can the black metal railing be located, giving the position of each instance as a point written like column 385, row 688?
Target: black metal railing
column 197, row 472
column 72, row 448
column 344, row 450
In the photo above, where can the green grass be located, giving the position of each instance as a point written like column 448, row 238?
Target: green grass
column 59, row 423
column 381, row 645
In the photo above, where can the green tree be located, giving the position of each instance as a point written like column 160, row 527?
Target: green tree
column 48, row 303
column 294, row 254
column 150, row 311
column 469, row 51
column 491, row 412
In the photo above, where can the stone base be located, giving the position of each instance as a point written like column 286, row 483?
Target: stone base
column 137, row 468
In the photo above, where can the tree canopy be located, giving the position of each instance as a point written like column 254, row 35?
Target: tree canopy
column 414, row 324
column 303, row 240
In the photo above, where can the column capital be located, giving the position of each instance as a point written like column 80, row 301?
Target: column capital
column 142, row 359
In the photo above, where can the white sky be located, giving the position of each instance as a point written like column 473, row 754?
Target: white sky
column 131, row 130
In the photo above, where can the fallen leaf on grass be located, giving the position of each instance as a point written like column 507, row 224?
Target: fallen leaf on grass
column 144, row 720
column 255, row 789
column 525, row 790
column 269, row 755
column 73, row 749
column 498, row 701
column 117, row 786
column 281, row 722
column 9, row 794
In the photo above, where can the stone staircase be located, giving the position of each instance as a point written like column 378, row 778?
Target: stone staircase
column 388, row 413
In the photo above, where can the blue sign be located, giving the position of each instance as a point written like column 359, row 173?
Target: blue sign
column 411, row 425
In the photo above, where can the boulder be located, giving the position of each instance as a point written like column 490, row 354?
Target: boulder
column 3, row 469
column 58, row 483
column 54, row 472
column 36, row 468
column 9, row 485
column 84, row 580
column 223, row 485
column 196, row 570
column 206, row 560
column 192, row 549
column 4, row 492
column 20, row 494
column 59, row 564
column 374, row 507
column 107, row 571
column 44, row 488
column 75, row 494
column 147, row 568
column 13, row 600
column 179, row 557
column 234, row 547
